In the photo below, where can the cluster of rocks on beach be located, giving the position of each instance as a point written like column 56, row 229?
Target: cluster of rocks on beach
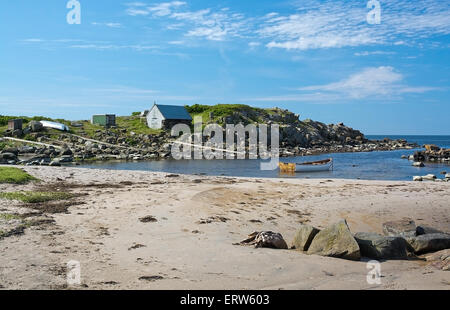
column 432, row 154
column 401, row 239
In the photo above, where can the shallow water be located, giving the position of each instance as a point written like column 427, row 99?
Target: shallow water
column 367, row 166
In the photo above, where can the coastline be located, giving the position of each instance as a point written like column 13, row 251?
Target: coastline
column 199, row 217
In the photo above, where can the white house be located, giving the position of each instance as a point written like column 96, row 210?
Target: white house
column 166, row 116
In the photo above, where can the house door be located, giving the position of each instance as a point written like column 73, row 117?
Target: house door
column 154, row 122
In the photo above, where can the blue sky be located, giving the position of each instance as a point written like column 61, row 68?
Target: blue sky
column 320, row 59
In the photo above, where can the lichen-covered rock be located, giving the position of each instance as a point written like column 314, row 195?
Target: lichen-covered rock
column 405, row 227
column 335, row 241
column 439, row 260
column 429, row 243
column 304, row 236
column 376, row 246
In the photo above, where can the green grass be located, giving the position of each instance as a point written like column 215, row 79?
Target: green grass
column 36, row 197
column 9, row 217
column 14, row 176
column 221, row 110
column 134, row 123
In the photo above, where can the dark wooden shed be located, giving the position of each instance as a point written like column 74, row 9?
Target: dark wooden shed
column 14, row 124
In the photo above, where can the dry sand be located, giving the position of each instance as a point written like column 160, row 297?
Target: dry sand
column 198, row 218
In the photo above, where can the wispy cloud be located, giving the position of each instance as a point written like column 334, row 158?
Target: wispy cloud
column 111, row 25
column 374, row 83
column 315, row 24
column 371, row 82
column 335, row 24
column 367, row 53
column 206, row 23
column 137, row 47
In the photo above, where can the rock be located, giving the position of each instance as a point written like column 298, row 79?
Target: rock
column 411, row 157
column 405, row 228
column 447, row 176
column 423, row 230
column 376, row 246
column 13, row 150
column 417, row 178
column 66, row 151
column 429, row 243
column 335, row 241
column 8, row 156
column 430, row 177
column 418, row 164
column 54, row 163
column 404, row 157
column 266, row 239
column 36, row 126
column 439, row 260
column 304, row 236
column 27, row 149
column 66, row 159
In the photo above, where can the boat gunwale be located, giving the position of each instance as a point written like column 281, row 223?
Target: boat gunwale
column 316, row 163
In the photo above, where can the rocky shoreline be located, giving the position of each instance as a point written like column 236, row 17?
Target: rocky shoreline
column 70, row 148
column 35, row 145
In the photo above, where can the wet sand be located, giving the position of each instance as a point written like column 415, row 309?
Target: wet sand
column 142, row 230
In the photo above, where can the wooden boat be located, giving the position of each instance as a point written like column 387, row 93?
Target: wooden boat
column 55, row 125
column 313, row 166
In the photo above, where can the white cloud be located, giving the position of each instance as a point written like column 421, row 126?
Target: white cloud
column 367, row 53
column 375, row 83
column 371, row 82
column 111, row 25
column 164, row 9
column 254, row 44
column 97, row 46
column 335, row 24
column 137, row 12
column 32, row 40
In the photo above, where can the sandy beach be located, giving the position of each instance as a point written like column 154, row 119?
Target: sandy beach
column 143, row 230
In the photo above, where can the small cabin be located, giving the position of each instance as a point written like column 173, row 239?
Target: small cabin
column 14, row 124
column 106, row 120
column 166, row 116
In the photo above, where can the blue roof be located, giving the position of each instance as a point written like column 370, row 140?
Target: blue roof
column 174, row 112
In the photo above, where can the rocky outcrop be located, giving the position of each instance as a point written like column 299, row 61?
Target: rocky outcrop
column 376, row 246
column 429, row 243
column 304, row 236
column 335, row 241
column 432, row 154
column 439, row 260
column 405, row 228
column 297, row 138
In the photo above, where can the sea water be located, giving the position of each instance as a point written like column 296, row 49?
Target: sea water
column 384, row 165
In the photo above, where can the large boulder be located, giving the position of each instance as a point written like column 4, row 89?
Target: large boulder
column 36, row 126
column 66, row 151
column 335, row 241
column 376, row 246
column 440, row 259
column 405, row 228
column 429, row 243
column 8, row 156
column 27, row 149
column 13, row 150
column 304, row 236
column 423, row 230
